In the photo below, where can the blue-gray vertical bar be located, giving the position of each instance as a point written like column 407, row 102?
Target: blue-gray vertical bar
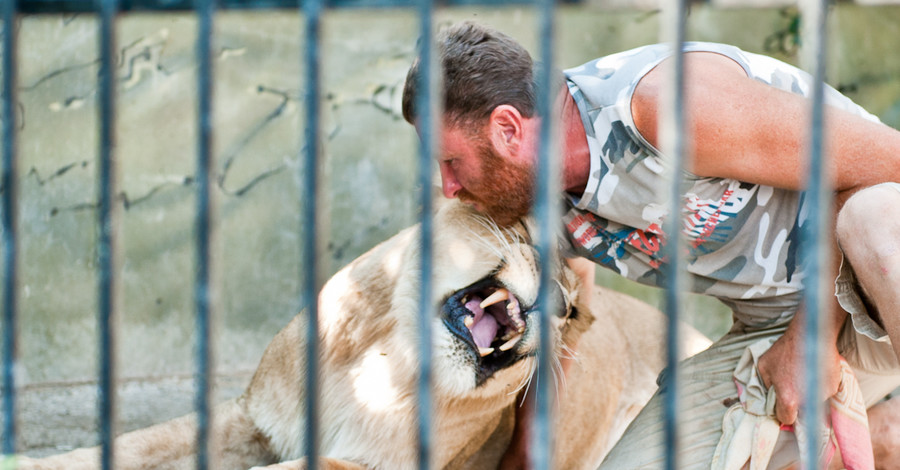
column 815, row 236
column 674, row 122
column 106, row 252
column 426, row 108
column 9, row 226
column 203, row 230
column 548, row 221
column 312, row 11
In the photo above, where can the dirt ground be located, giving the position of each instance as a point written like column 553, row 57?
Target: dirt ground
column 56, row 418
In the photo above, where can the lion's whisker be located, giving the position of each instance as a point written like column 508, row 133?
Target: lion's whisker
column 487, row 243
column 526, row 382
column 504, row 236
column 559, row 378
column 566, row 352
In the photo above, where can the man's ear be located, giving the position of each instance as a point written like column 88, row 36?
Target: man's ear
column 505, row 128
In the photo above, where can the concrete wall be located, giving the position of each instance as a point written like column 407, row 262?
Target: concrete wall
column 369, row 161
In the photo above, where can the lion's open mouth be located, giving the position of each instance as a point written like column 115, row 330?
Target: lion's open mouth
column 491, row 320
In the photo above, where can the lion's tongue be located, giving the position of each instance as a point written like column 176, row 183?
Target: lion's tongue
column 484, row 327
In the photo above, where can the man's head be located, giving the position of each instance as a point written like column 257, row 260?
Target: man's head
column 489, row 123
column 483, row 68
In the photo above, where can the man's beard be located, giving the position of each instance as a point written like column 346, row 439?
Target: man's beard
column 505, row 191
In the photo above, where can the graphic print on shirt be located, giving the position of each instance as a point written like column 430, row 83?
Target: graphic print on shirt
column 710, row 223
column 608, row 245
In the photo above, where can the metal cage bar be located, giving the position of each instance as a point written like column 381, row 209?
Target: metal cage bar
column 546, row 212
column 204, row 231
column 106, row 243
column 673, row 130
column 428, row 125
column 76, row 6
column 817, row 197
column 9, row 226
column 815, row 234
column 312, row 10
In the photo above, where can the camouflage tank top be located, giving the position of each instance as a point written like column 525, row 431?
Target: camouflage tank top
column 742, row 239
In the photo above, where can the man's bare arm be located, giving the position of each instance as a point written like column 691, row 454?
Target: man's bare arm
column 746, row 130
column 749, row 131
column 586, row 271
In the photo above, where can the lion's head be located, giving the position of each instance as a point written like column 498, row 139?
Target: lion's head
column 484, row 297
column 484, row 333
column 486, row 285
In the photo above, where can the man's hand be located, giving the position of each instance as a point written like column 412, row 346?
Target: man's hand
column 783, row 368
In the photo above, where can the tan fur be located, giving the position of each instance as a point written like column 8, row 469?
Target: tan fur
column 369, row 356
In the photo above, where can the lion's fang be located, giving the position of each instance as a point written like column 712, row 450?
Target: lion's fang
column 499, row 295
column 509, row 344
column 485, row 351
column 469, row 321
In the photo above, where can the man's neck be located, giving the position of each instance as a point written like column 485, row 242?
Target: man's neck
column 576, row 164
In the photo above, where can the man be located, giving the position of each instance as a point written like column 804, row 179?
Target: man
column 742, row 214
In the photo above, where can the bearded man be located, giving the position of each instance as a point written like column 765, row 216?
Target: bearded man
column 742, row 214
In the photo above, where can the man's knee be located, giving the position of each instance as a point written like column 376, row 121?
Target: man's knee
column 870, row 219
column 884, row 423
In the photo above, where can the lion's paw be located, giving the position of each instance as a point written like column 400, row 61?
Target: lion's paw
column 292, row 465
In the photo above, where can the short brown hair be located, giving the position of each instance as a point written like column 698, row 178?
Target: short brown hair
column 482, row 69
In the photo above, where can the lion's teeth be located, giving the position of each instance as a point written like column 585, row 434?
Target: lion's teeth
column 520, row 325
column 469, row 321
column 485, row 351
column 499, row 295
column 509, row 344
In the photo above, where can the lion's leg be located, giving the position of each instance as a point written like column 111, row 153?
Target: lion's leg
column 324, row 463
column 236, row 444
column 160, row 445
column 163, row 445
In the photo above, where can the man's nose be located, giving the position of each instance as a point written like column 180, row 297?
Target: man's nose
column 449, row 183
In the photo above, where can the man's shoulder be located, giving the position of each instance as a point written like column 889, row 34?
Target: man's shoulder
column 609, row 79
column 645, row 54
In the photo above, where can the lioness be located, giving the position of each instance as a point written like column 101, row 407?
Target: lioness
column 485, row 291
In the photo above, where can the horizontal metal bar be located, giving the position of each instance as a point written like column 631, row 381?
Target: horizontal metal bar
column 86, row 6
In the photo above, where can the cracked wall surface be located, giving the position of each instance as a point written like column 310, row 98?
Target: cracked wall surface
column 369, row 161
column 258, row 128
